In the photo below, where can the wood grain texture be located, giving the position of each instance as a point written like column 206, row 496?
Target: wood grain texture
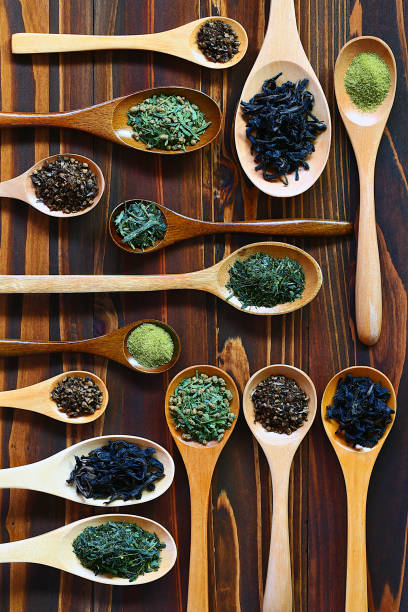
column 209, row 185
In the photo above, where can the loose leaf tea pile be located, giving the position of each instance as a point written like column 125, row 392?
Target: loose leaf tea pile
column 140, row 224
column 77, row 396
column 360, row 408
column 199, row 407
column 118, row 470
column 262, row 280
column 167, row 122
column 280, row 405
column 281, row 128
column 218, row 41
column 367, row 81
column 119, row 548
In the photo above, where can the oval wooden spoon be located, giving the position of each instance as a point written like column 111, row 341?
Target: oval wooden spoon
column 112, row 345
column 180, row 227
column 50, row 475
column 199, row 461
column 279, row 450
column 357, row 466
column 365, row 131
column 109, row 119
column 37, row 398
column 54, row 548
column 282, row 51
column 21, row 187
column 180, row 42
column 212, row 280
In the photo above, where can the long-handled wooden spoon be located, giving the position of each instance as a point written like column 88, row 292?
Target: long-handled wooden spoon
column 180, row 227
column 37, row 398
column 109, row 119
column 50, row 475
column 279, row 450
column 55, row 549
column 199, row 461
column 112, row 345
column 282, row 51
column 213, row 280
column 21, row 187
column 180, row 42
column 365, row 131
column 357, row 466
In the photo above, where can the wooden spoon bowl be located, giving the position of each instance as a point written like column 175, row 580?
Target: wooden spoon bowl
column 55, row 549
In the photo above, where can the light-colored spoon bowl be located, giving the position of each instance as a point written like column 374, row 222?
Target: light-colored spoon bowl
column 22, row 188
column 54, row 549
column 199, row 461
column 279, row 450
column 181, row 42
column 50, row 475
column 37, row 398
column 357, row 466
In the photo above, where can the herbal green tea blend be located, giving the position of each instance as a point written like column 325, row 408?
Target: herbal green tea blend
column 367, row 81
column 167, row 122
column 119, row 548
column 140, row 224
column 218, row 41
column 265, row 281
column 77, row 396
column 280, row 405
column 199, row 408
column 151, row 345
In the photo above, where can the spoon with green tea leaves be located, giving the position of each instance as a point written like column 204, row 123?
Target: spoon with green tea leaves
column 79, row 473
column 279, row 449
column 152, row 120
column 59, row 199
column 142, row 226
column 371, row 414
column 56, row 549
column 264, row 278
column 182, row 42
column 210, row 398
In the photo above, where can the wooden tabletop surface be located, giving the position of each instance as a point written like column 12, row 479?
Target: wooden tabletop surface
column 320, row 339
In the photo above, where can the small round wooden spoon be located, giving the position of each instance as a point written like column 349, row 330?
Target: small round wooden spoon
column 180, row 42
column 180, row 228
column 199, row 461
column 50, row 475
column 279, row 450
column 112, row 345
column 212, row 280
column 282, row 51
column 37, row 398
column 21, row 187
column 54, row 548
column 357, row 466
column 365, row 131
column 109, row 119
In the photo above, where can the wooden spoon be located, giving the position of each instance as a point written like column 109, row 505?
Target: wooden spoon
column 180, row 42
column 357, row 466
column 212, row 280
column 50, row 475
column 180, row 227
column 54, row 548
column 21, row 187
column 37, row 398
column 279, row 450
column 282, row 51
column 112, row 345
column 365, row 131
column 109, row 119
column 199, row 461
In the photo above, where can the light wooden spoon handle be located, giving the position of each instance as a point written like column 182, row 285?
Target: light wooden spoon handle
column 283, row 227
column 33, row 550
column 21, row 477
column 59, row 43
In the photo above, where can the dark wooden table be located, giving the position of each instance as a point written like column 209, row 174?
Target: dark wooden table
column 321, row 338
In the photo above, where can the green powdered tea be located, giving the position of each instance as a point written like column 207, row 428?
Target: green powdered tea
column 151, row 345
column 367, row 81
column 140, row 224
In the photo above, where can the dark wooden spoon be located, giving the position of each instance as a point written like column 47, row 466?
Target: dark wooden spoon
column 109, row 119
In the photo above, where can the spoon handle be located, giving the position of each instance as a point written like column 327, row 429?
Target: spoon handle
column 34, row 550
column 283, row 227
column 282, row 38
column 22, row 477
column 13, row 188
column 19, row 398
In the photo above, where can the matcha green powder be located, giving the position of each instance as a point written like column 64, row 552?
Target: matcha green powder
column 151, row 345
column 367, row 81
